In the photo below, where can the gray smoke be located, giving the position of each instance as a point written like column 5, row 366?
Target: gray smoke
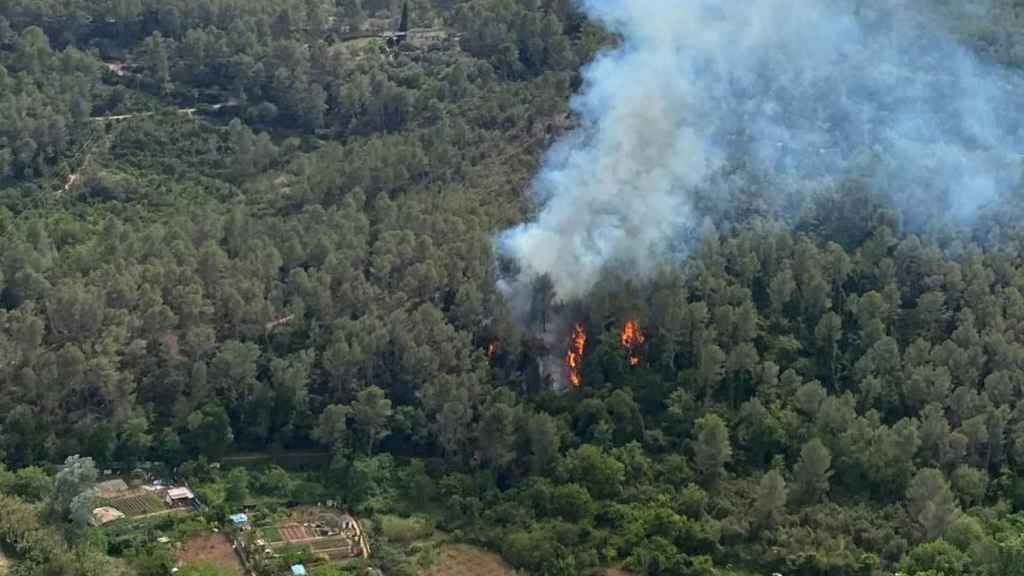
column 805, row 91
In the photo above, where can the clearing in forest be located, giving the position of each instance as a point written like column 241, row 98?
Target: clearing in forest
column 213, row 548
column 5, row 564
column 466, row 560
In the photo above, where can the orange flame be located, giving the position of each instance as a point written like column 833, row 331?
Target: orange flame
column 492, row 350
column 632, row 338
column 574, row 358
column 631, row 335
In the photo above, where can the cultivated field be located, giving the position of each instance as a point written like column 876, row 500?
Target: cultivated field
column 294, row 532
column 210, row 548
column 320, row 528
column 340, row 547
column 138, row 504
column 465, row 560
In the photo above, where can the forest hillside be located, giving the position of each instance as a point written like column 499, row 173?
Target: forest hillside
column 265, row 227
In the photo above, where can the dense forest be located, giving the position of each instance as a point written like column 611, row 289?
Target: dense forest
column 232, row 226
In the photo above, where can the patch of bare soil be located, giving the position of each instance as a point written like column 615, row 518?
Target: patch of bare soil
column 213, row 548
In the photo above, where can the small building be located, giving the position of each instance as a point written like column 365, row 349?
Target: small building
column 111, row 488
column 104, row 515
column 427, row 36
column 349, row 524
column 298, row 570
column 117, row 68
column 179, row 497
column 239, row 520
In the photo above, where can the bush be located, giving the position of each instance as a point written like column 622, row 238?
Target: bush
column 404, row 530
column 938, row 555
column 275, row 482
column 31, row 484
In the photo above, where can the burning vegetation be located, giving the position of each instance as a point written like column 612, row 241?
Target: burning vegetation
column 492, row 350
column 632, row 339
column 574, row 358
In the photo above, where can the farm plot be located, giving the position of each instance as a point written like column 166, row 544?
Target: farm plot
column 340, row 554
column 138, row 504
column 328, row 532
column 330, row 543
column 336, row 549
column 465, row 560
column 294, row 532
column 210, row 548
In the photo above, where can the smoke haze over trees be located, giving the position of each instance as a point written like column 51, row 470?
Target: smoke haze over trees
column 699, row 102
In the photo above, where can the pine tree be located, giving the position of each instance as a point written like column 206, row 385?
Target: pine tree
column 404, row 25
column 931, row 503
column 812, row 472
column 771, row 499
column 711, row 448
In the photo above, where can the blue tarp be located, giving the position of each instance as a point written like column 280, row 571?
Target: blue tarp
column 239, row 519
column 298, row 570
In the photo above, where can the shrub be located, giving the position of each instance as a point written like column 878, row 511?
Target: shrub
column 404, row 530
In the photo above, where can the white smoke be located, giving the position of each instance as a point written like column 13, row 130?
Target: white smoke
column 800, row 88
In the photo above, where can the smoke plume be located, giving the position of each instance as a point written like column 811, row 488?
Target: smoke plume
column 806, row 92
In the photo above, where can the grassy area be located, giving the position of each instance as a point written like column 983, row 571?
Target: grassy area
column 272, row 534
column 211, row 493
column 141, row 532
column 403, row 530
column 297, row 460
column 5, row 564
column 466, row 560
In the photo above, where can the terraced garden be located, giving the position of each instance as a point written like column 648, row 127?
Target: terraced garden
column 319, row 528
